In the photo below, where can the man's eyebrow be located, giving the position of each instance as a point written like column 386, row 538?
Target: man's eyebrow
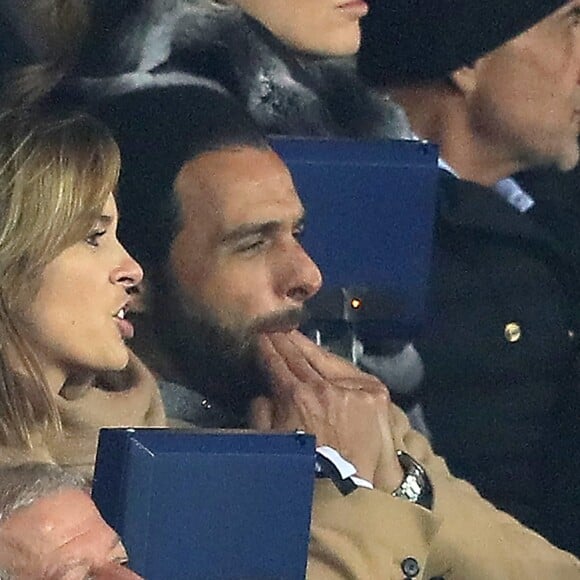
column 300, row 222
column 85, row 562
column 253, row 229
column 116, row 541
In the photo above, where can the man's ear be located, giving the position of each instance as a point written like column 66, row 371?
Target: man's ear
column 464, row 79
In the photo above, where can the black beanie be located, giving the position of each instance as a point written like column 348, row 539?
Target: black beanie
column 407, row 41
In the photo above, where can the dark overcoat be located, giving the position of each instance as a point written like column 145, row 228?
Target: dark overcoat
column 500, row 355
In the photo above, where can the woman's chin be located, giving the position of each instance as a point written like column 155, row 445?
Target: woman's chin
column 122, row 362
column 116, row 361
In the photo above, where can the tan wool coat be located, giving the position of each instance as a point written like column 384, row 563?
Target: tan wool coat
column 367, row 535
column 133, row 401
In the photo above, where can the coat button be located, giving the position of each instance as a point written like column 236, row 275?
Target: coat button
column 410, row 567
column 512, row 332
column 571, row 334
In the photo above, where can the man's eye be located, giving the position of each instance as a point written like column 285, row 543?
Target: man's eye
column 93, row 238
column 250, row 245
column 121, row 561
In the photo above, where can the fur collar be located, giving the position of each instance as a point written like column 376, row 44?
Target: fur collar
column 285, row 93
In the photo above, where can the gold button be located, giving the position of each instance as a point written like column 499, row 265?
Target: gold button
column 512, row 332
column 356, row 303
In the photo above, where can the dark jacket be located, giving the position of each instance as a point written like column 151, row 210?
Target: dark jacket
column 500, row 353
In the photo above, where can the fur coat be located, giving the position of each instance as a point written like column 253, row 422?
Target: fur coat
column 177, row 41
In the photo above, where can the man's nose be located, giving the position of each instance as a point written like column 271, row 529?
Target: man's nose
column 302, row 278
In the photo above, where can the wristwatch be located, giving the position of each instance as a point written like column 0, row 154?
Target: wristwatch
column 416, row 486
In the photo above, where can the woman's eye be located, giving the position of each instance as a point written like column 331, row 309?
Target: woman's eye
column 93, row 238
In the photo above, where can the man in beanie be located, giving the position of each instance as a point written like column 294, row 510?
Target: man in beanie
column 496, row 85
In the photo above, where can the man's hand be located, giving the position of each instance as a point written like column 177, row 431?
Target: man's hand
column 323, row 394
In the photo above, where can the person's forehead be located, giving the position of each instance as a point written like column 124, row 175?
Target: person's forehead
column 232, row 184
column 55, row 519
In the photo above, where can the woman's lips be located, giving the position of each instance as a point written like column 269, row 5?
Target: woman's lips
column 125, row 328
column 355, row 9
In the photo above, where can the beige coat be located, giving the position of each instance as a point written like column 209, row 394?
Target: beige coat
column 365, row 535
column 368, row 534
column 86, row 409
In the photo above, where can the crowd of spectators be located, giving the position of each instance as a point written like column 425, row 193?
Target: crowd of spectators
column 159, row 111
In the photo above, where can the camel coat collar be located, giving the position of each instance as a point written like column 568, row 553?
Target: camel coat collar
column 127, row 399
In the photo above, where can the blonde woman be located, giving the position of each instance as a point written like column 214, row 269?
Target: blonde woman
column 65, row 285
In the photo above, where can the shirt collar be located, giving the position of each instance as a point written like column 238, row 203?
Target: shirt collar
column 508, row 189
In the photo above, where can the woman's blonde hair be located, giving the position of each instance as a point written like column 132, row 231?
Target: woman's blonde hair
column 56, row 172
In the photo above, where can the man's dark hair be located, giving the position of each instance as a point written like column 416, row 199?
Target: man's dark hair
column 158, row 130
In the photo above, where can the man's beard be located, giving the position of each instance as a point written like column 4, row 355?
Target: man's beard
column 221, row 363
column 281, row 321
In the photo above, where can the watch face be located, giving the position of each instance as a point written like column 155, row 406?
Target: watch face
column 411, row 488
column 416, row 486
